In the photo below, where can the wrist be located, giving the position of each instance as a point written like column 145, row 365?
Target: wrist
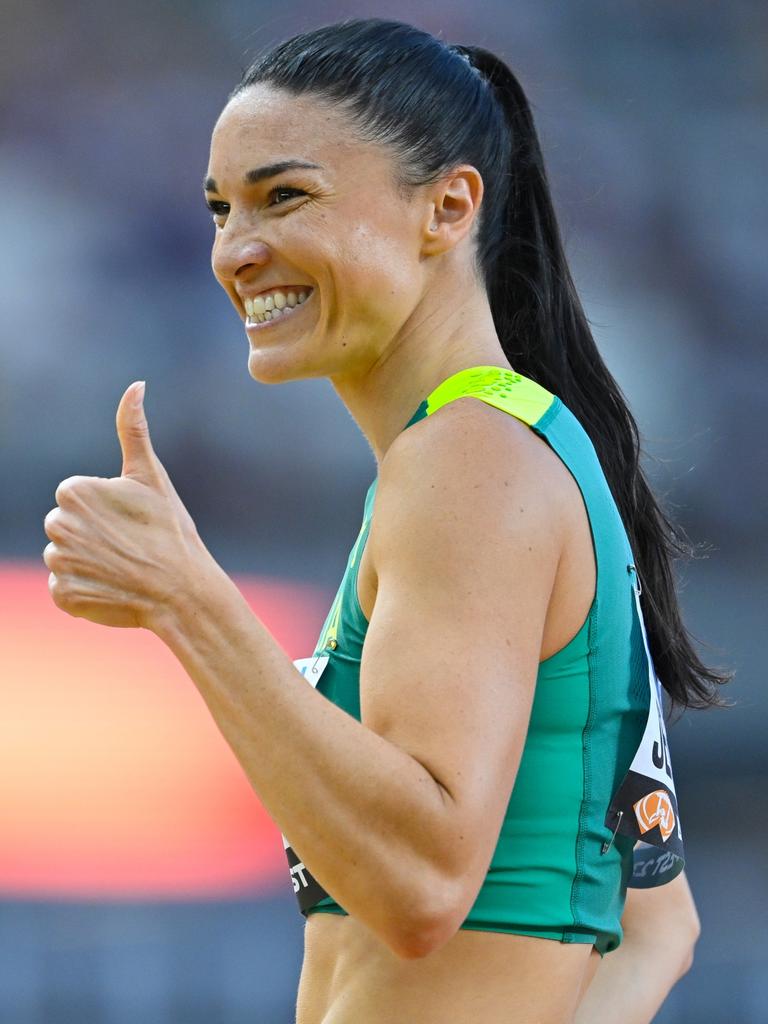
column 184, row 607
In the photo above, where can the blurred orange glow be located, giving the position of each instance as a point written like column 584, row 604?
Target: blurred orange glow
column 114, row 779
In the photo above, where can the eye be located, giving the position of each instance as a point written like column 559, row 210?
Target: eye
column 221, row 209
column 217, row 207
column 285, row 188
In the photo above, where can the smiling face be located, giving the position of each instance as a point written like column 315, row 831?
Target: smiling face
column 338, row 231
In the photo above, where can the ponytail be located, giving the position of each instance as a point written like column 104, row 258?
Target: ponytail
column 546, row 336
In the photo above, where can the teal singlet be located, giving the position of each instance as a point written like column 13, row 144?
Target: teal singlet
column 560, row 867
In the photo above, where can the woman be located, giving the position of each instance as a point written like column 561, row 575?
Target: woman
column 457, row 781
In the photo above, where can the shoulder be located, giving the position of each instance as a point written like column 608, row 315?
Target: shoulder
column 474, row 461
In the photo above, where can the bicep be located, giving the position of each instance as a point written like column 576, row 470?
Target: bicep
column 465, row 560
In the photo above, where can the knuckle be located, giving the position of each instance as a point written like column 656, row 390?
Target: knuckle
column 56, row 589
column 72, row 488
column 137, row 431
column 66, row 490
column 60, row 599
column 52, row 557
column 61, row 592
column 52, row 523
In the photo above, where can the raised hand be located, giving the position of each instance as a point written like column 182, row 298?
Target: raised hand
column 122, row 547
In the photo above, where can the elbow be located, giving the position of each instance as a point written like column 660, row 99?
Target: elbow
column 692, row 934
column 686, row 962
column 439, row 920
column 431, row 929
column 423, row 941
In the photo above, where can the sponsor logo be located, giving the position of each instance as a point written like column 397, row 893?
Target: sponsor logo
column 651, row 862
column 655, row 809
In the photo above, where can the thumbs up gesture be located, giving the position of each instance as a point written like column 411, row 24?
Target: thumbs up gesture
column 122, row 547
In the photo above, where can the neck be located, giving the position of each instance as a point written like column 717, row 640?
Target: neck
column 436, row 342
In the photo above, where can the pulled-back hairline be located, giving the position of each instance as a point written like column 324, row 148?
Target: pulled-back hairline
column 406, row 177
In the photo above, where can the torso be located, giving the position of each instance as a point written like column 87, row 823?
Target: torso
column 349, row 976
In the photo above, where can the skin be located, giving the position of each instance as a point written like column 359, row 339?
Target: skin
column 661, row 928
column 394, row 310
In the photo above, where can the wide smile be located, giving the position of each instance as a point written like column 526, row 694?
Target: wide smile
column 281, row 307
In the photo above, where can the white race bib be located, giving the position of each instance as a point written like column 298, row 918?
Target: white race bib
column 645, row 804
column 312, row 668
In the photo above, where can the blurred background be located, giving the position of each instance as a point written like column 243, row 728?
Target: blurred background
column 140, row 878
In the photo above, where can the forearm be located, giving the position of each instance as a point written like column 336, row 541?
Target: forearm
column 362, row 814
column 636, row 978
column 661, row 927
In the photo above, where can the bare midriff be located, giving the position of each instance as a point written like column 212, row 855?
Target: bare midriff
column 350, row 977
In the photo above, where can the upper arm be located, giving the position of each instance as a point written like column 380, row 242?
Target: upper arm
column 464, row 543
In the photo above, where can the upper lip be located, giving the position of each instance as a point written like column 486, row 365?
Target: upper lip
column 275, row 288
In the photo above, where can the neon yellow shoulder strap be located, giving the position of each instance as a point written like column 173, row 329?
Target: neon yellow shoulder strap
column 512, row 392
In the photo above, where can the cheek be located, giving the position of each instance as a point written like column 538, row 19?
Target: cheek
column 381, row 268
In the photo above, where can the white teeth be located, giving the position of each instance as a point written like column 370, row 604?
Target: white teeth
column 274, row 300
column 271, row 307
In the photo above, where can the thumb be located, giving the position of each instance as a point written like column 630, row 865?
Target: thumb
column 139, row 459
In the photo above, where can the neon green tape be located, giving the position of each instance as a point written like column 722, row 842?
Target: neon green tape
column 518, row 395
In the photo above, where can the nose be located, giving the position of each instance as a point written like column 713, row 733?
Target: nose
column 234, row 252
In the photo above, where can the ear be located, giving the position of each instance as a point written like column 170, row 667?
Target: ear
column 453, row 206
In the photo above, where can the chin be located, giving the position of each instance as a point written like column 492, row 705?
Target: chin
column 276, row 367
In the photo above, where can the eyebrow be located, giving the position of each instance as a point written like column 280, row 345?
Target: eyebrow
column 267, row 171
